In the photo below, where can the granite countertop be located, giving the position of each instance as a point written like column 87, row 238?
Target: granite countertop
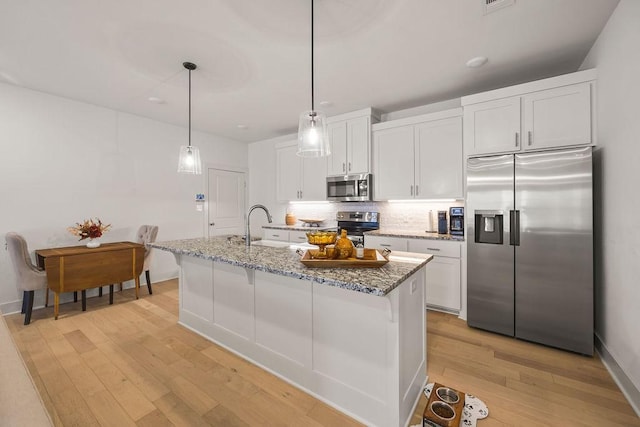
column 299, row 227
column 413, row 234
column 286, row 262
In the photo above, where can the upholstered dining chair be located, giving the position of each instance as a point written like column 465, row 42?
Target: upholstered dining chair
column 147, row 234
column 28, row 277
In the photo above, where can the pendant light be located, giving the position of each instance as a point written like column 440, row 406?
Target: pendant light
column 189, row 161
column 313, row 139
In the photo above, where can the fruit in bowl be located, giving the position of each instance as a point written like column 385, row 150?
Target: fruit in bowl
column 321, row 238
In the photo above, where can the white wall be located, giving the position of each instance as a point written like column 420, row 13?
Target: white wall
column 63, row 161
column 617, row 163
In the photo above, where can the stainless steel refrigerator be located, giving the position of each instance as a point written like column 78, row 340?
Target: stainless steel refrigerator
column 530, row 246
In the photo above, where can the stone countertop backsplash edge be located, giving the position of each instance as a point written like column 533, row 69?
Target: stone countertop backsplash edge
column 413, row 234
column 286, row 262
column 299, row 227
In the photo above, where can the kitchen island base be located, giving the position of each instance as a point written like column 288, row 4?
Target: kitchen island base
column 363, row 354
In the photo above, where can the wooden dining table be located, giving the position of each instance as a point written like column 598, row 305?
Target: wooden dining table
column 78, row 268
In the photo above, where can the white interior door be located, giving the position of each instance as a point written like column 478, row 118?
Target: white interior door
column 226, row 202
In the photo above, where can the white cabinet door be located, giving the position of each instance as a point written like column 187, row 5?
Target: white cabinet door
column 557, row 117
column 298, row 236
column 276, row 234
column 393, row 163
column 358, row 145
column 443, row 272
column 314, row 179
column 337, row 161
column 443, row 283
column 383, row 242
column 438, row 159
column 492, row 127
column 288, row 174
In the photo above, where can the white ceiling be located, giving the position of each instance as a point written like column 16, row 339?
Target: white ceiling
column 253, row 56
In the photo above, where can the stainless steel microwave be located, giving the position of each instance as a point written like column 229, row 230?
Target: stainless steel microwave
column 350, row 188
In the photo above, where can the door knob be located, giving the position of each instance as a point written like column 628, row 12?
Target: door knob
column 212, row 224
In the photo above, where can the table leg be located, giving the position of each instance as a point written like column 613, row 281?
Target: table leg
column 56, row 300
column 137, row 286
column 111, row 294
column 84, row 300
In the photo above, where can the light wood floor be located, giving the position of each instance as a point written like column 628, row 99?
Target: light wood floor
column 131, row 364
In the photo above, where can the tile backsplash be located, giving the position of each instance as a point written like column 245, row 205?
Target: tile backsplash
column 393, row 215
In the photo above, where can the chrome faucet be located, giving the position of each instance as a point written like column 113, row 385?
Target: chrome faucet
column 247, row 235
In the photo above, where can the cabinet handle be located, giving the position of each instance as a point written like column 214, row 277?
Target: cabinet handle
column 417, row 190
column 212, row 224
column 433, row 249
column 385, row 245
column 301, row 194
column 275, row 235
column 349, row 166
column 344, row 167
column 517, row 136
column 302, row 238
column 530, row 137
column 411, row 190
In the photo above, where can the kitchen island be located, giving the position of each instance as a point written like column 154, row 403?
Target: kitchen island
column 354, row 338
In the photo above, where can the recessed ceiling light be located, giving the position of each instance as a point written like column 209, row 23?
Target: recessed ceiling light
column 243, row 127
column 476, row 62
column 155, row 100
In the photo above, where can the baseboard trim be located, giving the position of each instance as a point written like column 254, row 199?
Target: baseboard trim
column 627, row 387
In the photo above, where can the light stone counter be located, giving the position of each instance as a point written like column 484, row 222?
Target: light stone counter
column 286, row 262
column 299, row 227
column 413, row 234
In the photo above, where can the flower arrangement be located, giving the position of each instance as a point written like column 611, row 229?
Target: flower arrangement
column 90, row 228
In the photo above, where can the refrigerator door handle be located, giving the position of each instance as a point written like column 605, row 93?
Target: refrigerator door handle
column 514, row 226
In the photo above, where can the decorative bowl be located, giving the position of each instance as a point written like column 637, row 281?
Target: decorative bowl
column 321, row 237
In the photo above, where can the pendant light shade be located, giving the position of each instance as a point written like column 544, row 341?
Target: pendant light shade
column 313, row 138
column 189, row 160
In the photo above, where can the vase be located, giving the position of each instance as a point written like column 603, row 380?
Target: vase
column 93, row 243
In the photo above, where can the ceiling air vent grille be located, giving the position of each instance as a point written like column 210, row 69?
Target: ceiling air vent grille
column 490, row 6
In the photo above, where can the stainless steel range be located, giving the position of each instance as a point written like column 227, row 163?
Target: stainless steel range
column 357, row 223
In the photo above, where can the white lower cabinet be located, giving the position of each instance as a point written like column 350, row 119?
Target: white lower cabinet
column 443, row 272
column 443, row 281
column 383, row 242
column 276, row 234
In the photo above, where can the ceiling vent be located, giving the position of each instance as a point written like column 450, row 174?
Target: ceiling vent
column 490, row 6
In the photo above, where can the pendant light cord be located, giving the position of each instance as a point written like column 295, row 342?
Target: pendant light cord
column 189, row 108
column 312, row 87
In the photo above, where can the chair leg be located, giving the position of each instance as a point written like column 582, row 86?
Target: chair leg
column 146, row 275
column 111, row 294
column 46, row 297
column 29, row 307
column 24, row 301
column 75, row 296
column 84, row 300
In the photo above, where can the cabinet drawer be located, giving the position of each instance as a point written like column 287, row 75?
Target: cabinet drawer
column 435, row 247
column 298, row 236
column 382, row 242
column 271, row 234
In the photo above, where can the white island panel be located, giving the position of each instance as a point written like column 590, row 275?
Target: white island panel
column 283, row 316
column 233, row 302
column 196, row 287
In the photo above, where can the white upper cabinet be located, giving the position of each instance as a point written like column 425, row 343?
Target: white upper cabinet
column 299, row 178
column 557, row 117
column 493, row 126
column 350, row 139
column 393, row 163
column 438, row 159
column 550, row 113
column 419, row 157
